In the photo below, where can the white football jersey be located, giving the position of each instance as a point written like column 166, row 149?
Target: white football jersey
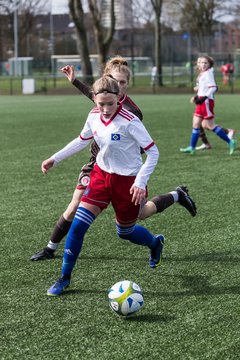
column 206, row 84
column 119, row 140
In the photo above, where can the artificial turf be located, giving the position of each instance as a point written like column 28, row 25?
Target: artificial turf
column 191, row 306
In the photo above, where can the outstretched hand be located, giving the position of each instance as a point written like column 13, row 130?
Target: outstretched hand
column 138, row 195
column 68, row 70
column 46, row 165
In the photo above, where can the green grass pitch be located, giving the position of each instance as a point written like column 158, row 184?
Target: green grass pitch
column 192, row 308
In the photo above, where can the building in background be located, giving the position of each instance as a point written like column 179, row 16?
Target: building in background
column 44, row 40
column 123, row 13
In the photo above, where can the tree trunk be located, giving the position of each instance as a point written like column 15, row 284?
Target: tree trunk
column 77, row 15
column 157, row 7
column 103, row 37
column 158, row 52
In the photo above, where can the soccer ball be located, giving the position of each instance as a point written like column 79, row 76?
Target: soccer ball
column 125, row 297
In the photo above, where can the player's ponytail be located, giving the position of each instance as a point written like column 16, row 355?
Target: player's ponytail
column 119, row 64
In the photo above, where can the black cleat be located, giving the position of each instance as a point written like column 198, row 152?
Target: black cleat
column 43, row 254
column 185, row 200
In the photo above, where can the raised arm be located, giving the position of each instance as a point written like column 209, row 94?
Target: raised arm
column 86, row 90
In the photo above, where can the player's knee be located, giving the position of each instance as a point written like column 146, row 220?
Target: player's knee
column 71, row 210
column 142, row 215
column 124, row 232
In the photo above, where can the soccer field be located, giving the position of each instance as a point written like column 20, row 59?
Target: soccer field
column 191, row 306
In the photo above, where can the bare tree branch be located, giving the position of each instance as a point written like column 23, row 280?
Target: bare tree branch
column 77, row 15
column 103, row 36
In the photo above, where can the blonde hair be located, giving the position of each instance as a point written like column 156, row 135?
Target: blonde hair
column 117, row 63
column 208, row 58
column 197, row 63
column 106, row 84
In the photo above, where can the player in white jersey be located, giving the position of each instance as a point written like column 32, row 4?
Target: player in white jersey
column 119, row 177
column 118, row 153
column 204, row 111
column 116, row 67
column 205, row 142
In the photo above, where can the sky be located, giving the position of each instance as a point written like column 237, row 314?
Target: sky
column 59, row 6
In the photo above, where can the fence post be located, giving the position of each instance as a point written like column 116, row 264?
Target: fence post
column 153, row 87
column 11, row 86
column 54, row 81
column 45, row 85
column 231, row 83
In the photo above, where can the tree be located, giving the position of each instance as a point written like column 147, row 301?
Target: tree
column 77, row 15
column 234, row 11
column 103, row 35
column 198, row 17
column 157, row 7
column 142, row 13
column 27, row 11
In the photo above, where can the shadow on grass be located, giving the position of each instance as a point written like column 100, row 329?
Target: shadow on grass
column 230, row 256
column 199, row 285
column 151, row 318
column 196, row 286
column 106, row 258
column 227, row 256
column 193, row 285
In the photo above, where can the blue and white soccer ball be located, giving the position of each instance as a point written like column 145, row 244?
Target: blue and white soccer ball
column 125, row 298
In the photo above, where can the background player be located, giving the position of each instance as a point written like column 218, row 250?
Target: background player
column 204, row 111
column 202, row 135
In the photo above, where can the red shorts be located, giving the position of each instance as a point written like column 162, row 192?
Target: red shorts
column 105, row 188
column 205, row 110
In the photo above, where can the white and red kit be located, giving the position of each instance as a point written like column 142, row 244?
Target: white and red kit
column 118, row 163
column 206, row 87
column 128, row 104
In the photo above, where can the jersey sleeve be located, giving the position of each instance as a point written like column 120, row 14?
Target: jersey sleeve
column 212, row 87
column 75, row 145
column 86, row 133
column 147, row 168
column 141, row 135
column 70, row 149
column 85, row 90
column 129, row 105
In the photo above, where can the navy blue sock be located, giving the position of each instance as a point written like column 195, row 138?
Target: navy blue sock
column 81, row 222
column 194, row 137
column 137, row 234
column 220, row 132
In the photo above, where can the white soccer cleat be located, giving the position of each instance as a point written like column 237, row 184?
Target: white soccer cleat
column 203, row 147
column 231, row 133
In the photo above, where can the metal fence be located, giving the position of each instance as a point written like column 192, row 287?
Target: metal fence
column 176, row 79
